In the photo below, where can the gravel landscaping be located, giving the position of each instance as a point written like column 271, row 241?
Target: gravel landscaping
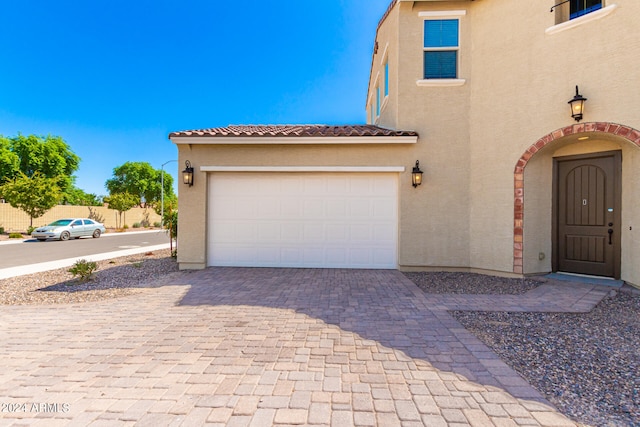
column 114, row 278
column 470, row 283
column 586, row 364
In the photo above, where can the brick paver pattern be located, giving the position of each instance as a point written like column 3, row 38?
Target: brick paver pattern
column 262, row 347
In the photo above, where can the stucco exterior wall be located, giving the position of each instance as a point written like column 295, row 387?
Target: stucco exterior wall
column 518, row 79
column 631, row 216
column 438, row 215
column 522, row 80
column 517, row 70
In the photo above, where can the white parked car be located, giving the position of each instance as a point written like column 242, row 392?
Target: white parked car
column 69, row 228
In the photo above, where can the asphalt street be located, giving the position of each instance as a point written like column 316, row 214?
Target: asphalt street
column 30, row 255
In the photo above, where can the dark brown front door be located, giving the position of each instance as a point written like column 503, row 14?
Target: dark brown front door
column 587, row 209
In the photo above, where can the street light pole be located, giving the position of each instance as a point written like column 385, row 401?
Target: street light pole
column 162, row 193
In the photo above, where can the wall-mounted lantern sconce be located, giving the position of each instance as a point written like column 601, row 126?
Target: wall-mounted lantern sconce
column 416, row 175
column 577, row 105
column 187, row 174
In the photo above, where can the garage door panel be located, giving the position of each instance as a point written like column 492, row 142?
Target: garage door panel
column 246, row 233
column 337, row 208
column 315, row 185
column 226, row 232
column 290, row 232
column 289, row 257
column 314, row 209
column 314, row 233
column 223, row 209
column 360, row 186
column 381, row 209
column 337, row 233
column 268, row 209
column 360, row 233
column 381, row 255
column 383, row 233
column 313, row 256
column 384, row 187
column 245, row 209
column 290, row 209
column 346, row 220
column 268, row 256
column 337, row 256
column 359, row 208
column 338, row 185
column 268, row 232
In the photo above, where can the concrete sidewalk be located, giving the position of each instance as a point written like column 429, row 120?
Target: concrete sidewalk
column 259, row 347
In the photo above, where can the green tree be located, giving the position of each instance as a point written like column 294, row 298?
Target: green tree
column 49, row 156
column 170, row 203
column 9, row 161
column 78, row 197
column 121, row 202
column 141, row 179
column 34, row 194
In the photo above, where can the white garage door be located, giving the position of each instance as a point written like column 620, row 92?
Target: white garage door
column 329, row 220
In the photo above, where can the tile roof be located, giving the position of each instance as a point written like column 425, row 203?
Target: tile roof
column 294, row 131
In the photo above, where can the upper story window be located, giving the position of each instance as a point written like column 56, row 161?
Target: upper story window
column 378, row 104
column 386, row 78
column 441, row 45
column 578, row 8
column 567, row 12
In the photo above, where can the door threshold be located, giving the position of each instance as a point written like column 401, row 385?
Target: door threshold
column 584, row 278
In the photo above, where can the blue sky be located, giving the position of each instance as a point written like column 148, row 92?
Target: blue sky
column 115, row 77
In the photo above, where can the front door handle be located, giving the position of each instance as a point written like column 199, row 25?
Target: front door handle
column 610, row 231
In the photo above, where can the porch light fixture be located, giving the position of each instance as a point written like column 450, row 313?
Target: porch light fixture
column 416, row 175
column 577, row 105
column 187, row 174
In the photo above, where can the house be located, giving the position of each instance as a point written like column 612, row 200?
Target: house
column 516, row 180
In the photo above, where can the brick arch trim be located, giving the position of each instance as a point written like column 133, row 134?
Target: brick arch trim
column 630, row 134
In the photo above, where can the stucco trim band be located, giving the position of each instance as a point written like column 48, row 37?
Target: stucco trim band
column 291, row 140
column 355, row 169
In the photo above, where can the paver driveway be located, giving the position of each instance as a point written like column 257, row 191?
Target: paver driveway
column 255, row 347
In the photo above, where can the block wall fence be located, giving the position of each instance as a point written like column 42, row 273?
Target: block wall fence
column 12, row 219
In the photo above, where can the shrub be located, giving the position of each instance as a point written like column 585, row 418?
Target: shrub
column 136, row 225
column 30, row 229
column 124, row 227
column 157, row 224
column 94, row 215
column 1, row 230
column 84, row 269
column 15, row 235
column 145, row 221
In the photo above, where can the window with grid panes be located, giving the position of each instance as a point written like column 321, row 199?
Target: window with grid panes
column 441, row 45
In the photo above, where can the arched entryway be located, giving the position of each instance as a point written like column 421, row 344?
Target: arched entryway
column 612, row 129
